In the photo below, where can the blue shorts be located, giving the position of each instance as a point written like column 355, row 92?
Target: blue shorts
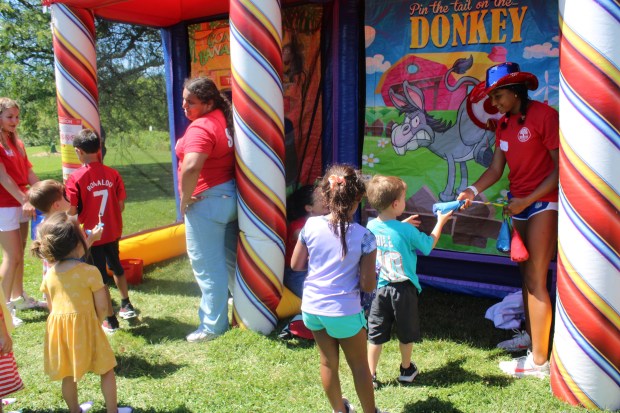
column 535, row 208
column 337, row 327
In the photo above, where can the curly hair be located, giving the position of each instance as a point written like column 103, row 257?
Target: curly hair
column 343, row 188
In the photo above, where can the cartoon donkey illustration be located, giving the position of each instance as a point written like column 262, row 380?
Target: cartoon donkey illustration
column 456, row 143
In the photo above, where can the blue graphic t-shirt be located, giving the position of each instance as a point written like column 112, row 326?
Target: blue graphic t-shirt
column 397, row 243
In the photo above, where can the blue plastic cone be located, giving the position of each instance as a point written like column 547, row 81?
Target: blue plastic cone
column 446, row 207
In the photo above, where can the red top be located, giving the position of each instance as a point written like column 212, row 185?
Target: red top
column 291, row 238
column 17, row 167
column 208, row 135
column 98, row 189
column 526, row 148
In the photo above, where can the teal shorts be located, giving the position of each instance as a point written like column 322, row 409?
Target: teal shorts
column 337, row 327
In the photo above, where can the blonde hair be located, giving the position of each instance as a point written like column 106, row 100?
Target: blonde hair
column 383, row 190
column 57, row 238
column 8, row 103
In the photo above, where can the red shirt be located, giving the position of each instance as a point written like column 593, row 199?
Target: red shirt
column 291, row 239
column 526, row 148
column 17, row 167
column 208, row 135
column 96, row 188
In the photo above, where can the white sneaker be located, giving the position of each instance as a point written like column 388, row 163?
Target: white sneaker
column 86, row 406
column 519, row 342
column 25, row 302
column 200, row 335
column 525, row 366
column 16, row 320
column 348, row 408
column 126, row 409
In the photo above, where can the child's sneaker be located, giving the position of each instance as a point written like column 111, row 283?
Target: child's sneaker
column 25, row 302
column 348, row 408
column 86, row 406
column 127, row 311
column 375, row 383
column 408, row 374
column 110, row 327
column 16, row 320
column 519, row 342
column 525, row 366
column 125, row 409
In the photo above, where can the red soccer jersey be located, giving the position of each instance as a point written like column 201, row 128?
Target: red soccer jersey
column 17, row 167
column 98, row 189
column 208, row 135
column 526, row 148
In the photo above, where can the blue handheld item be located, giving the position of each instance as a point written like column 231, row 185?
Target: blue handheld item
column 446, row 207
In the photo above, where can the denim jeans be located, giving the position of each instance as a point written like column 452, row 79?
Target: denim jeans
column 211, row 234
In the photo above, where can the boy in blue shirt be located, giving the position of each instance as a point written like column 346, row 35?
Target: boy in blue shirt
column 396, row 302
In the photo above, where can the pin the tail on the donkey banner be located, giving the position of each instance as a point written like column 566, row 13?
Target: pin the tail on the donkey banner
column 256, row 62
column 585, row 362
column 75, row 66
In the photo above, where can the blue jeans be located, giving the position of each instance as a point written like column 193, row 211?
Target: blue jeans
column 211, row 235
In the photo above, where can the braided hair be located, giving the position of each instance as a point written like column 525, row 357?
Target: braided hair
column 343, row 188
column 205, row 90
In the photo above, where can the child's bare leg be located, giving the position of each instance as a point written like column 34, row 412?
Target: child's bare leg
column 12, row 255
column 17, row 289
column 405, row 354
column 354, row 349
column 70, row 394
column 328, row 349
column 121, row 284
column 374, row 352
column 108, row 388
column 110, row 307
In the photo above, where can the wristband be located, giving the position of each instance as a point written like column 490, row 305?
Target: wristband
column 473, row 189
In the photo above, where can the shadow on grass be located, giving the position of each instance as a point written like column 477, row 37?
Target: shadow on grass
column 147, row 181
column 458, row 318
column 158, row 330
column 448, row 375
column 432, row 404
column 133, row 367
column 179, row 409
column 170, row 287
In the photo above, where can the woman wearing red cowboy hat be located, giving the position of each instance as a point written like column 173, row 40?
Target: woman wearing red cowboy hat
column 527, row 140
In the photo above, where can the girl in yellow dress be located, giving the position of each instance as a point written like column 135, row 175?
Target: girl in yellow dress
column 74, row 341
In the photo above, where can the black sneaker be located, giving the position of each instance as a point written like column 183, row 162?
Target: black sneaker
column 126, row 312
column 110, row 325
column 375, row 383
column 408, row 374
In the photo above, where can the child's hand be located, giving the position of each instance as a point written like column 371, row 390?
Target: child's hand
column 94, row 234
column 6, row 344
column 443, row 218
column 413, row 220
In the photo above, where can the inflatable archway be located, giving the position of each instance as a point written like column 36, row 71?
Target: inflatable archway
column 586, row 368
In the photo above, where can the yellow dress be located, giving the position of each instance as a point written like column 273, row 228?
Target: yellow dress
column 74, row 340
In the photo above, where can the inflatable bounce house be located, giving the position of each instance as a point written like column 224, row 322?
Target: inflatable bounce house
column 324, row 81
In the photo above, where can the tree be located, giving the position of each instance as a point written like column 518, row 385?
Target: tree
column 130, row 74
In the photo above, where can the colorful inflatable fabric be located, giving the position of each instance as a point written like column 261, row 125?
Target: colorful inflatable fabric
column 585, row 362
column 256, row 60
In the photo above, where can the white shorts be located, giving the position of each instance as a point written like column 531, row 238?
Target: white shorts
column 10, row 218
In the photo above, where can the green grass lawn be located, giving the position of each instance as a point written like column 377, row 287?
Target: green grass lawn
column 242, row 371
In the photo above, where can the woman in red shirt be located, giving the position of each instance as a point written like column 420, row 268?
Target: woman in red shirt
column 209, row 201
column 16, row 175
column 527, row 140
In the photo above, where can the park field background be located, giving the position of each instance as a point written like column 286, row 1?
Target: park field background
column 242, row 371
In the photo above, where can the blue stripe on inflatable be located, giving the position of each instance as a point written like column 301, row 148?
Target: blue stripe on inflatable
column 593, row 238
column 593, row 117
column 265, row 229
column 175, row 43
column 598, row 359
column 247, row 292
column 264, row 148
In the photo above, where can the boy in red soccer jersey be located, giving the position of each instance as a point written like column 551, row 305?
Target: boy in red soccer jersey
column 97, row 195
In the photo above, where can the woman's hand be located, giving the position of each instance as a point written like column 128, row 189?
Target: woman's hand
column 190, row 201
column 516, row 206
column 467, row 195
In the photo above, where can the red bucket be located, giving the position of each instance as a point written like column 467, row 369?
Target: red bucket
column 133, row 270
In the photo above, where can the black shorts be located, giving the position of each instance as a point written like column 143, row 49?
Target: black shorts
column 395, row 304
column 107, row 255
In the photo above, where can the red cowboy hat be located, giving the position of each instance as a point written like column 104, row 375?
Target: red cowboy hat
column 503, row 74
